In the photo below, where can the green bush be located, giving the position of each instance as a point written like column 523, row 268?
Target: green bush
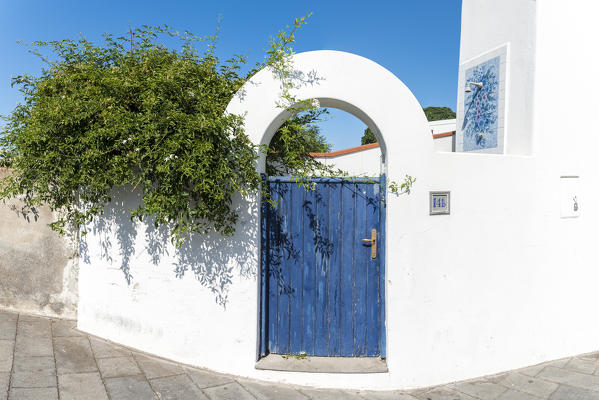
column 132, row 112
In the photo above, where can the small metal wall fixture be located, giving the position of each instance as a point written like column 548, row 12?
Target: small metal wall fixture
column 439, row 203
column 570, row 196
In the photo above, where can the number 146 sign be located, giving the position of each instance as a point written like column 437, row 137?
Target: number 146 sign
column 439, row 203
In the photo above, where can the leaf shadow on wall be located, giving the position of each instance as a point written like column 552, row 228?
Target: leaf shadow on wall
column 133, row 246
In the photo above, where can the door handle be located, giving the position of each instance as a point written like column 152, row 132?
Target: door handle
column 372, row 242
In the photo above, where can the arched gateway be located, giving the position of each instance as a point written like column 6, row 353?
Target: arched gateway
column 322, row 286
column 178, row 318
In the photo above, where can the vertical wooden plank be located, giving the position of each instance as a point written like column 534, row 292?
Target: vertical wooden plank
column 273, row 266
column 361, row 259
column 264, row 272
column 348, row 247
column 309, row 271
column 322, row 267
column 372, row 274
column 285, row 256
column 382, row 247
column 335, row 237
column 296, row 269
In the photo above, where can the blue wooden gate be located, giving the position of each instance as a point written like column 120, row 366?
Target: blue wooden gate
column 322, row 290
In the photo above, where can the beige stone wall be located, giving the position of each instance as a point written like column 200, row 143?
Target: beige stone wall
column 38, row 267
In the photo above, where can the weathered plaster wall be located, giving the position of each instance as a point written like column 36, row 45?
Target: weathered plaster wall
column 38, row 268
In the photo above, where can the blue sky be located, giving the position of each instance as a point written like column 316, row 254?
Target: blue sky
column 418, row 41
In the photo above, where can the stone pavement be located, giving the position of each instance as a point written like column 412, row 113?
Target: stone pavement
column 46, row 359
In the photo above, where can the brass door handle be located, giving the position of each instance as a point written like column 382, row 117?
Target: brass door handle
column 372, row 242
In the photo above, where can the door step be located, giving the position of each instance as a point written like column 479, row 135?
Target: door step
column 344, row 365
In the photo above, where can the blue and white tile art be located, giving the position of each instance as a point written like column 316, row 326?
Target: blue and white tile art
column 479, row 126
column 481, row 112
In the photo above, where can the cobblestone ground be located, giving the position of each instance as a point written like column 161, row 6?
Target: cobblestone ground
column 46, row 359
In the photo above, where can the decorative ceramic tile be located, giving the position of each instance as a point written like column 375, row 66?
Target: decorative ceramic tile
column 479, row 125
column 481, row 103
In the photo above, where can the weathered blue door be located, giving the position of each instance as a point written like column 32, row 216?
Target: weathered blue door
column 322, row 282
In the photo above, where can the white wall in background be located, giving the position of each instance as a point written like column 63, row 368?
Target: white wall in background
column 365, row 162
column 442, row 126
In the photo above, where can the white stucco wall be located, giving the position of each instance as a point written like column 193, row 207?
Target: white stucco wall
column 442, row 126
column 487, row 25
column 503, row 282
column 446, row 143
column 366, row 162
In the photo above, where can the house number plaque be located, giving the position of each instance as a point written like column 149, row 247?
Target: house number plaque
column 439, row 203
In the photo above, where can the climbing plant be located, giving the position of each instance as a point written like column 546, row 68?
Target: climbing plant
column 131, row 112
column 290, row 147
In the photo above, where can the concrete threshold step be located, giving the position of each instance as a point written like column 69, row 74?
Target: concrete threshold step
column 347, row 365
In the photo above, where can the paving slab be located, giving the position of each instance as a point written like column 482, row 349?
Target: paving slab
column 571, row 378
column 527, row 384
column 584, row 365
column 443, row 394
column 32, row 318
column 33, row 379
column 393, row 395
column 480, row 389
column 33, row 363
column 8, row 316
column 494, row 378
column 157, row 368
column 516, row 395
column 6, row 354
column 565, row 392
column 229, row 391
column 118, row 366
column 74, row 355
column 8, row 329
column 33, row 394
column 561, row 363
column 65, row 328
column 104, row 349
column 331, row 394
column 129, row 388
column 178, row 387
column 34, row 328
column 86, row 386
column 533, row 370
column 271, row 391
column 4, row 380
column 205, row 379
column 34, row 345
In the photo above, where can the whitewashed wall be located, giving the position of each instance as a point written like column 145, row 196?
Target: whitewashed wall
column 501, row 283
column 487, row 25
column 365, row 162
column 445, row 144
column 368, row 162
column 442, row 126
